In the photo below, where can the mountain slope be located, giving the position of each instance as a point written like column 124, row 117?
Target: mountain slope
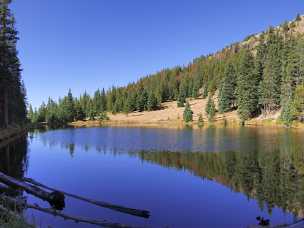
column 261, row 75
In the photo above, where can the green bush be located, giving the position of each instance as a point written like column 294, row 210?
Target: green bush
column 200, row 122
column 103, row 116
column 210, row 109
column 188, row 114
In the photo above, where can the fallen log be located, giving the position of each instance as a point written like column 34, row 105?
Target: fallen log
column 131, row 211
column 23, row 204
column 4, row 187
column 55, row 199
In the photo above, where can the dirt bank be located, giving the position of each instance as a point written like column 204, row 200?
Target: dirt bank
column 171, row 116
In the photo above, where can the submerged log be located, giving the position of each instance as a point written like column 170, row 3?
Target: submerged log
column 55, row 199
column 23, row 204
column 131, row 211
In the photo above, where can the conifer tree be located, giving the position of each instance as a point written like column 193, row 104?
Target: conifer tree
column 182, row 94
column 210, row 109
column 188, row 114
column 288, row 112
column 260, row 59
column 247, row 97
column 299, row 99
column 103, row 100
column 79, row 113
column 152, row 102
column 68, row 103
column 30, row 113
column 12, row 90
column 227, row 98
column 289, row 72
column 270, row 86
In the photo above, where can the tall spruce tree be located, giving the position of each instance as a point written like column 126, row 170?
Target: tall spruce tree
column 270, row 86
column 68, row 106
column 210, row 108
column 247, row 97
column 299, row 99
column 227, row 99
column 12, row 90
column 188, row 113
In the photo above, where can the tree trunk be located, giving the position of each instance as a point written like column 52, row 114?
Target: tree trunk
column 5, row 107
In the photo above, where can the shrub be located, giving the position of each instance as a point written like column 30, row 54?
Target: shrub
column 188, row 114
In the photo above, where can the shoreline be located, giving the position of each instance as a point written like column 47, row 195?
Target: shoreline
column 171, row 117
column 178, row 124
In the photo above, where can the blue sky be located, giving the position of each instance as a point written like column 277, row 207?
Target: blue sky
column 85, row 45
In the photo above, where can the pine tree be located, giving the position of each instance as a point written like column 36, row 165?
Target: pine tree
column 97, row 105
column 181, row 101
column 260, row 59
column 91, row 111
column 79, row 113
column 288, row 112
column 30, row 114
column 299, row 99
column 227, row 98
column 141, row 100
column 210, row 109
column 247, row 97
column 69, row 106
column 290, row 68
column 12, row 90
column 270, row 86
column 182, row 94
column 188, row 114
column 205, row 92
column 152, row 102
column 300, row 53
column 103, row 100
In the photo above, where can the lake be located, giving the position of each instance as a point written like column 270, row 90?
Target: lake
column 214, row 177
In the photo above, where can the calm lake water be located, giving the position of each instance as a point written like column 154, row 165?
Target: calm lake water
column 215, row 177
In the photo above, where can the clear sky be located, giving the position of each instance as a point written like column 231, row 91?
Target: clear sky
column 85, row 45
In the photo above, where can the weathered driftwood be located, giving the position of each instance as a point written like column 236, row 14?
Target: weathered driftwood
column 131, row 211
column 23, row 204
column 55, row 199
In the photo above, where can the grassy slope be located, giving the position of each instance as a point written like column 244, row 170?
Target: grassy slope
column 170, row 116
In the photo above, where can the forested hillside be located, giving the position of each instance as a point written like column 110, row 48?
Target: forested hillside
column 260, row 75
column 12, row 90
